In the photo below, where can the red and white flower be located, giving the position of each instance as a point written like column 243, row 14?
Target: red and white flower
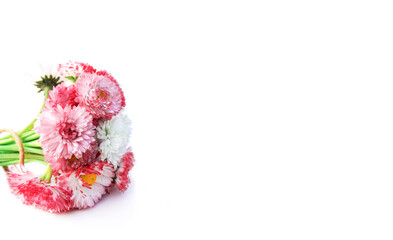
column 27, row 187
column 88, row 184
column 126, row 164
column 74, row 69
column 100, row 94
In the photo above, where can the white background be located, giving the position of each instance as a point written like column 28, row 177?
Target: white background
column 252, row 119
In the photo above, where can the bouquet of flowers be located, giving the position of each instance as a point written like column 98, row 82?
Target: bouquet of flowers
column 81, row 135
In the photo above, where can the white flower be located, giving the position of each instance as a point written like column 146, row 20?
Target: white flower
column 34, row 74
column 113, row 138
column 48, row 69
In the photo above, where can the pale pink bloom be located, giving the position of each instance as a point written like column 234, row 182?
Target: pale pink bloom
column 74, row 163
column 74, row 69
column 126, row 164
column 108, row 75
column 46, row 196
column 61, row 95
column 89, row 183
column 100, row 94
column 65, row 132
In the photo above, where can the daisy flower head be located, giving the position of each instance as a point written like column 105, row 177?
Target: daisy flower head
column 126, row 164
column 113, row 138
column 65, row 132
column 100, row 94
column 27, row 187
column 89, row 183
column 62, row 95
column 47, row 80
column 40, row 70
column 108, row 75
column 73, row 70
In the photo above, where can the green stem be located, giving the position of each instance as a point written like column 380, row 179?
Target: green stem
column 47, row 175
column 28, row 137
column 34, row 144
column 5, row 137
column 15, row 161
column 31, row 138
column 14, row 148
column 5, row 157
column 27, row 134
column 34, row 150
column 28, row 127
column 7, row 141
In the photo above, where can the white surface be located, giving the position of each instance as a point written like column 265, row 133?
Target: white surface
column 252, row 119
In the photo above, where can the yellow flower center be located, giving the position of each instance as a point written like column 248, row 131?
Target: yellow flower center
column 102, row 94
column 89, row 179
column 72, row 159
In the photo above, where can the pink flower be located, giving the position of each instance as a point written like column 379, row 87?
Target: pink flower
column 48, row 197
column 61, row 95
column 126, row 164
column 100, row 94
column 74, row 163
column 65, row 132
column 89, row 183
column 74, row 69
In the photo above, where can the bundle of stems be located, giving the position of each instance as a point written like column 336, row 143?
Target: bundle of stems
column 9, row 150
